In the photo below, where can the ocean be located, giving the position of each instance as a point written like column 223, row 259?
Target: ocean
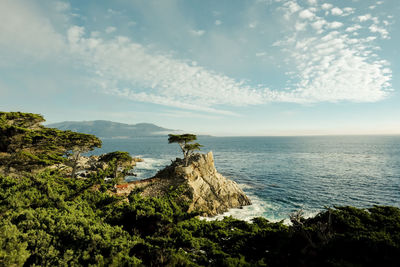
column 282, row 175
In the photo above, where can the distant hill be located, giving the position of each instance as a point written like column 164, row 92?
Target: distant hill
column 109, row 129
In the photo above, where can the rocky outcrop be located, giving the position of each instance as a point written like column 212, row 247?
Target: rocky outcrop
column 209, row 191
column 93, row 163
column 87, row 165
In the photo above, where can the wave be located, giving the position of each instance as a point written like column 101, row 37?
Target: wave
column 147, row 168
column 259, row 208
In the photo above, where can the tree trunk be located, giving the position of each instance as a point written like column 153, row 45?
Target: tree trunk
column 75, row 162
column 183, row 148
column 116, row 169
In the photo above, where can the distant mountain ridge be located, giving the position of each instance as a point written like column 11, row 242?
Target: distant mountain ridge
column 110, row 129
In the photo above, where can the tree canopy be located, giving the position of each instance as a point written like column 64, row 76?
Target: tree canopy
column 185, row 143
column 26, row 144
column 117, row 158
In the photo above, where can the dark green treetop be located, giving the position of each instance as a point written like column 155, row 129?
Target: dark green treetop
column 117, row 158
column 184, row 141
column 25, row 144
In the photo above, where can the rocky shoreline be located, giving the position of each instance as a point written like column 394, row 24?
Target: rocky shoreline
column 207, row 191
column 203, row 187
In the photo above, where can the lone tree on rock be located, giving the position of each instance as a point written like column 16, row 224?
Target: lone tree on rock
column 184, row 141
column 117, row 158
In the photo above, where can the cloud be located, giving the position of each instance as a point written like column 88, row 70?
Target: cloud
column 61, row 6
column 299, row 26
column 306, row 14
column 25, row 31
column 364, row 17
column 326, row 64
column 376, row 29
column 353, row 28
column 292, row 7
column 197, row 32
column 330, row 65
column 335, row 25
column 218, row 22
column 318, row 24
column 312, row 2
column 110, row 29
column 336, row 11
column 128, row 69
column 347, row 11
column 326, row 6
column 253, row 25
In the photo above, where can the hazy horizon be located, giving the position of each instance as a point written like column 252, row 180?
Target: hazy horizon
column 224, row 68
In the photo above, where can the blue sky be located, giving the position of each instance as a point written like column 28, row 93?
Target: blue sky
column 262, row 67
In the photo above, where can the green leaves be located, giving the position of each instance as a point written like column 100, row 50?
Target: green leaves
column 46, row 219
column 119, row 156
column 184, row 142
column 27, row 145
column 192, row 147
column 181, row 138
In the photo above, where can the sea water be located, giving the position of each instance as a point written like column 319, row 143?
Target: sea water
column 282, row 175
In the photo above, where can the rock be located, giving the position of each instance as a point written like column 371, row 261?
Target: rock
column 208, row 191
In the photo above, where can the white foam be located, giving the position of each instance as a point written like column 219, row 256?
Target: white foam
column 147, row 168
column 258, row 208
column 151, row 164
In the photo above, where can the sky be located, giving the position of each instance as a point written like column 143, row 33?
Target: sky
column 226, row 68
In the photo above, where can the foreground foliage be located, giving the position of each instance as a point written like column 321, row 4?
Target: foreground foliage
column 49, row 220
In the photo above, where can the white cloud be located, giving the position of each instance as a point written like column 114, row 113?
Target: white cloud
column 129, row 69
column 330, row 66
column 290, row 8
column 218, row 22
column 24, row 31
column 61, row 6
column 306, row 14
column 353, row 28
column 348, row 11
column 326, row 6
column 312, row 2
column 376, row 29
column 333, row 66
column 110, row 29
column 197, row 32
column 299, row 26
column 335, row 25
column 336, row 11
column 318, row 24
column 364, row 17
column 252, row 25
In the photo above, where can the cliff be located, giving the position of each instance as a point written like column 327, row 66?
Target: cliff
column 206, row 190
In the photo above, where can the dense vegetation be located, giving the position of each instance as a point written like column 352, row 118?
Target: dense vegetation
column 48, row 219
column 26, row 145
